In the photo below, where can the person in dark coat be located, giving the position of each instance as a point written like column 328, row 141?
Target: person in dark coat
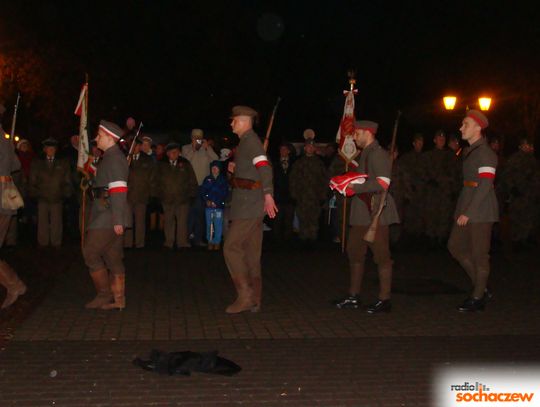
column 214, row 191
column 283, row 223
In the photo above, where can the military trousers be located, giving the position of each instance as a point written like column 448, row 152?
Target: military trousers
column 49, row 224
column 175, row 225
column 4, row 226
column 308, row 216
column 243, row 246
column 138, row 213
column 470, row 245
column 104, row 249
column 357, row 246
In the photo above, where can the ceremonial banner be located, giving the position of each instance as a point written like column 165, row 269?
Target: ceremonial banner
column 347, row 147
column 82, row 111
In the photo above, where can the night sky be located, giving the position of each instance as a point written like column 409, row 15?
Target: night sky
column 182, row 64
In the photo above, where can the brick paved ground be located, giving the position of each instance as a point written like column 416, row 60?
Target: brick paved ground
column 299, row 351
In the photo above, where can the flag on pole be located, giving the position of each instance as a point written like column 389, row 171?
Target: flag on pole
column 82, row 111
column 347, row 147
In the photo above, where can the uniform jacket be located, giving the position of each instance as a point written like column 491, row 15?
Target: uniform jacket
column 50, row 183
column 141, row 179
column 478, row 203
column 309, row 180
column 9, row 163
column 112, row 174
column 375, row 162
column 215, row 189
column 175, row 185
column 251, row 163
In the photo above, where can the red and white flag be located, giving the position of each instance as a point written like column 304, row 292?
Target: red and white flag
column 82, row 111
column 347, row 147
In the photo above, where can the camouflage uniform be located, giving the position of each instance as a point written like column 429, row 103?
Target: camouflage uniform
column 308, row 186
column 140, row 181
column 441, row 183
column 51, row 183
column 519, row 186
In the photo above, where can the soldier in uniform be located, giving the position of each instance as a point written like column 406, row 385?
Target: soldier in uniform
column 103, row 249
column 140, row 181
column 51, row 183
column 519, row 186
column 308, row 185
column 282, row 167
column 441, row 183
column 366, row 185
column 176, row 186
column 8, row 163
column 252, row 197
column 476, row 211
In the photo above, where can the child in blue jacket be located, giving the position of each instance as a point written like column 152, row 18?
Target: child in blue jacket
column 214, row 190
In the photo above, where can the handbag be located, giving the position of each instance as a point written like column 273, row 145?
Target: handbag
column 11, row 197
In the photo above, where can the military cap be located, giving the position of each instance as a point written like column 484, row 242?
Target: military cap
column 479, row 117
column 21, row 142
column 309, row 134
column 243, row 111
column 366, row 125
column 111, row 129
column 172, row 145
column 50, row 142
column 197, row 134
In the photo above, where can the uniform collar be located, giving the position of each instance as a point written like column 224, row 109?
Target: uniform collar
column 372, row 146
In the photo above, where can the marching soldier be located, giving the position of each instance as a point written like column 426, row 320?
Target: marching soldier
column 176, row 186
column 103, row 249
column 51, row 183
column 8, row 163
column 252, row 197
column 308, row 186
column 366, row 184
column 476, row 211
column 140, row 181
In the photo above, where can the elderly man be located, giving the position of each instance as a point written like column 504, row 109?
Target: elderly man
column 476, row 211
column 51, row 183
column 8, row 164
column 366, row 187
column 200, row 155
column 252, row 197
column 103, row 249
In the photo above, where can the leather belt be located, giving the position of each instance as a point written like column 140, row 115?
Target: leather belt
column 242, row 183
column 472, row 184
column 5, row 178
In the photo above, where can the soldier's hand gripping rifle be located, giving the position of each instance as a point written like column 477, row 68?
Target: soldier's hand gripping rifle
column 270, row 124
column 130, row 154
column 372, row 231
column 14, row 121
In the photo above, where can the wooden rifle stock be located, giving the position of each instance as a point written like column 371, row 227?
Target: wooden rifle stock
column 270, row 124
column 372, row 231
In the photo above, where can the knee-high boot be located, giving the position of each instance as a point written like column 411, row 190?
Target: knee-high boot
column 12, row 282
column 118, row 288
column 244, row 300
column 103, row 290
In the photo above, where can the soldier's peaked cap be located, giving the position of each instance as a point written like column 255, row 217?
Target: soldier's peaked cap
column 50, row 142
column 111, row 129
column 243, row 111
column 366, row 125
column 478, row 117
column 172, row 145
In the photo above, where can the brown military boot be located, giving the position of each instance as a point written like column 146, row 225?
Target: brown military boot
column 118, row 287
column 244, row 301
column 104, row 295
column 256, row 284
column 14, row 286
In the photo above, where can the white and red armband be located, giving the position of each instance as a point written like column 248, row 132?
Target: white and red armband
column 486, row 172
column 384, row 182
column 261, row 161
column 117, row 187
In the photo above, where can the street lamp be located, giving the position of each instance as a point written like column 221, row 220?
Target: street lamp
column 6, row 136
column 449, row 102
column 484, row 103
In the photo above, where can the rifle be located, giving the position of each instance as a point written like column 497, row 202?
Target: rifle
column 15, row 117
column 270, row 124
column 130, row 153
column 372, row 231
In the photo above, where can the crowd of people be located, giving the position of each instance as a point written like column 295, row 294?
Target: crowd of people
column 185, row 191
